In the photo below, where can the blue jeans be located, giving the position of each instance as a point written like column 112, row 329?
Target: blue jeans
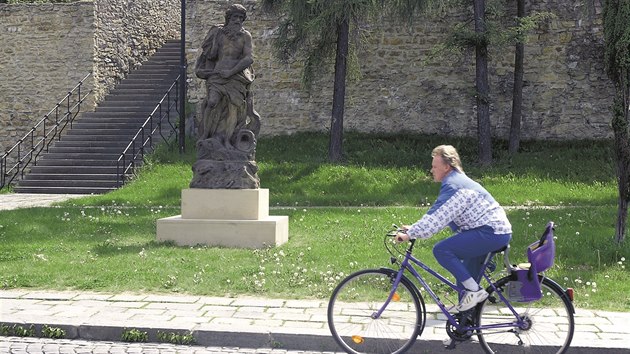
column 463, row 254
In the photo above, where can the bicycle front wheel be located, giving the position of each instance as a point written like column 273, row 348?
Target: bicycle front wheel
column 353, row 307
column 547, row 326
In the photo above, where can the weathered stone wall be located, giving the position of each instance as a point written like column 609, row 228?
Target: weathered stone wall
column 127, row 33
column 48, row 48
column 45, row 51
column 566, row 95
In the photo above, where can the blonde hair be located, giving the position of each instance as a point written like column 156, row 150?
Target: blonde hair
column 449, row 155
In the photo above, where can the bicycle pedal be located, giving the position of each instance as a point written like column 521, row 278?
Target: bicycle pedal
column 468, row 314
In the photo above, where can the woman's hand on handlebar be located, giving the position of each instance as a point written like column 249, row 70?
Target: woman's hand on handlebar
column 401, row 236
column 400, row 233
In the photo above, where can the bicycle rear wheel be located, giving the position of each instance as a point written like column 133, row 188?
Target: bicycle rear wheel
column 358, row 297
column 548, row 327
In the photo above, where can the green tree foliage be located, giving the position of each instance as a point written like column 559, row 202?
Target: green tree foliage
column 486, row 31
column 501, row 31
column 617, row 60
column 316, row 31
column 308, row 29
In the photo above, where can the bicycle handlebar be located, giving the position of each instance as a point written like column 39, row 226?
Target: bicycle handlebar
column 395, row 232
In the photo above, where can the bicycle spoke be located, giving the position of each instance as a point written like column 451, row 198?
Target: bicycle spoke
column 353, row 305
column 547, row 325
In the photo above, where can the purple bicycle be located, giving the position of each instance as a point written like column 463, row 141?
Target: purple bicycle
column 383, row 311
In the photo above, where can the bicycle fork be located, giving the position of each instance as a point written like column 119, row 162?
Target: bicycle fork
column 392, row 294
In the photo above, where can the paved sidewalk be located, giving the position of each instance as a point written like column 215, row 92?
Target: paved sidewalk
column 244, row 322
column 238, row 322
column 24, row 200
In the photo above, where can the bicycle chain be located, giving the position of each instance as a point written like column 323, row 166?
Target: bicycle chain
column 465, row 319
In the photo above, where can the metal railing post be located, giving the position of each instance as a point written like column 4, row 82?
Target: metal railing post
column 146, row 142
column 19, row 163
column 182, row 80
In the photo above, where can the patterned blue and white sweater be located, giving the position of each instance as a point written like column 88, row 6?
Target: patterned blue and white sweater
column 462, row 204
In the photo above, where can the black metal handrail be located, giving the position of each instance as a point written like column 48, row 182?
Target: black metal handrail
column 39, row 138
column 142, row 142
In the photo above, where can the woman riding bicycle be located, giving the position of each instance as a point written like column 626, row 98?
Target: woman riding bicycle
column 480, row 224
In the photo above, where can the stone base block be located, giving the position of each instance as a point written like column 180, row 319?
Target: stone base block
column 269, row 231
column 225, row 204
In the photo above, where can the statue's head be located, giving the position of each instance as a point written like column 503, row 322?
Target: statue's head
column 235, row 9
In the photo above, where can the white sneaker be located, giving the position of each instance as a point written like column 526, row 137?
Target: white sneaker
column 471, row 299
column 447, row 342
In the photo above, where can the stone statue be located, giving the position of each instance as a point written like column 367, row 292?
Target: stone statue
column 228, row 123
column 225, row 63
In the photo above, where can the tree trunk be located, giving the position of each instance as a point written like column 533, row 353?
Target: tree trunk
column 622, row 150
column 335, row 147
column 622, row 218
column 616, row 31
column 621, row 126
column 517, row 94
column 483, row 90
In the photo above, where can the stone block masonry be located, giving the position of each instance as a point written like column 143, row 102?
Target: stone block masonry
column 46, row 49
column 566, row 95
column 127, row 33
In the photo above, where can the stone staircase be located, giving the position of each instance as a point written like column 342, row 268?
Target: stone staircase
column 85, row 160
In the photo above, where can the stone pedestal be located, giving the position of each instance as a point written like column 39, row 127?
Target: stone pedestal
column 225, row 217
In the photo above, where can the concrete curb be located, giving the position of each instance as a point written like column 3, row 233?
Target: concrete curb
column 242, row 322
column 245, row 338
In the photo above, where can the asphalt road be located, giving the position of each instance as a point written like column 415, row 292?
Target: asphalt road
column 28, row 345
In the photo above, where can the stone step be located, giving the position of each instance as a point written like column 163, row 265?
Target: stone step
column 63, row 190
column 138, row 108
column 96, row 132
column 161, row 67
column 115, row 116
column 126, row 106
column 114, row 139
column 119, row 145
column 104, row 124
column 140, row 87
column 70, row 183
column 70, row 176
column 87, row 151
column 86, row 158
column 126, row 97
column 154, row 75
column 59, row 162
column 109, row 170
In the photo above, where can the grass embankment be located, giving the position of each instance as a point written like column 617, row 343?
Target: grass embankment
column 338, row 216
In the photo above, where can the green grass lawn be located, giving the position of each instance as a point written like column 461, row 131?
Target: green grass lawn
column 338, row 216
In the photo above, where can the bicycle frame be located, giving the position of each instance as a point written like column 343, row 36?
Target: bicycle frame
column 407, row 264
